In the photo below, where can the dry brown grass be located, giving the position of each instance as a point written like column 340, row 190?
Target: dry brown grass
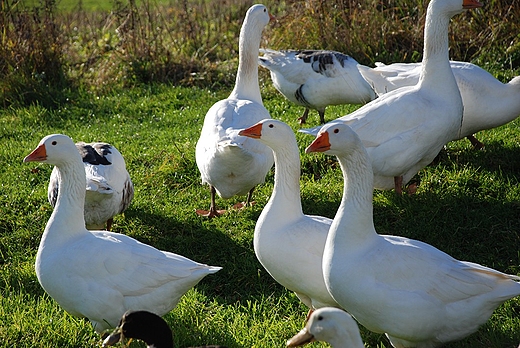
column 45, row 53
column 31, row 61
column 392, row 31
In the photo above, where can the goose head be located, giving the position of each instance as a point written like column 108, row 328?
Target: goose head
column 142, row 325
column 246, row 84
column 258, row 15
column 335, row 138
column 54, row 149
column 147, row 327
column 331, row 325
column 272, row 133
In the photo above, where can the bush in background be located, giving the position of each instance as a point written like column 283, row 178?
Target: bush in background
column 47, row 52
column 31, row 54
column 392, row 31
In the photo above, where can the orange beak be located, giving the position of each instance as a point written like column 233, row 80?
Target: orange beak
column 469, row 4
column 320, row 144
column 39, row 154
column 301, row 338
column 254, row 132
column 271, row 18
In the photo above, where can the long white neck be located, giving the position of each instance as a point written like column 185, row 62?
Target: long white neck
column 353, row 223
column 285, row 202
column 67, row 219
column 436, row 70
column 246, row 84
column 343, row 339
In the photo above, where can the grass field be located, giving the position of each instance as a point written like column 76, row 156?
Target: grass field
column 66, row 6
column 467, row 205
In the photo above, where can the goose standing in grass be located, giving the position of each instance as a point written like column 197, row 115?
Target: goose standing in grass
column 416, row 294
column 109, row 187
column 488, row 103
column 332, row 325
column 229, row 163
column 404, row 130
column 99, row 275
column 288, row 243
column 315, row 79
column 147, row 327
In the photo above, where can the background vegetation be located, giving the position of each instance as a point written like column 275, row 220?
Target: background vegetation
column 50, row 49
column 142, row 75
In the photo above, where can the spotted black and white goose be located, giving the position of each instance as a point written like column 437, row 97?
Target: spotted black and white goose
column 315, row 79
column 100, row 275
column 109, row 187
column 488, row 103
column 231, row 164
column 147, row 327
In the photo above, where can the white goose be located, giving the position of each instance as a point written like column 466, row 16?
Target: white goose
column 405, row 129
column 109, row 187
column 288, row 243
column 229, row 163
column 99, row 275
column 416, row 294
column 332, row 325
column 316, row 79
column 488, row 103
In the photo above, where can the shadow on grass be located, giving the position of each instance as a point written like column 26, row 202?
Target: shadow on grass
column 497, row 156
column 241, row 278
column 478, row 229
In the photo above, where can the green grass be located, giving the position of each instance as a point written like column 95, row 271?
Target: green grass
column 68, row 6
column 468, row 204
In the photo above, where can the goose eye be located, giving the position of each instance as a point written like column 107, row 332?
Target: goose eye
column 336, row 130
column 54, row 142
column 271, row 125
column 265, row 10
column 320, row 317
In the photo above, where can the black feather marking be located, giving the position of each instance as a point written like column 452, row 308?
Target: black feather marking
column 301, row 98
column 322, row 58
column 94, row 153
column 53, row 195
column 128, row 195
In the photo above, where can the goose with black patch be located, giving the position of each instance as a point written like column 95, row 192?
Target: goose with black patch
column 316, row 78
column 109, row 189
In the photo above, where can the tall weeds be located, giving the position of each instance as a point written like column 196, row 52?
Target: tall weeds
column 31, row 60
column 392, row 31
column 45, row 52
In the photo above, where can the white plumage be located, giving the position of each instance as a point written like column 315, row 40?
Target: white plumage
column 331, row 325
column 229, row 163
column 100, row 275
column 488, row 103
column 416, row 294
column 288, row 243
column 404, row 130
